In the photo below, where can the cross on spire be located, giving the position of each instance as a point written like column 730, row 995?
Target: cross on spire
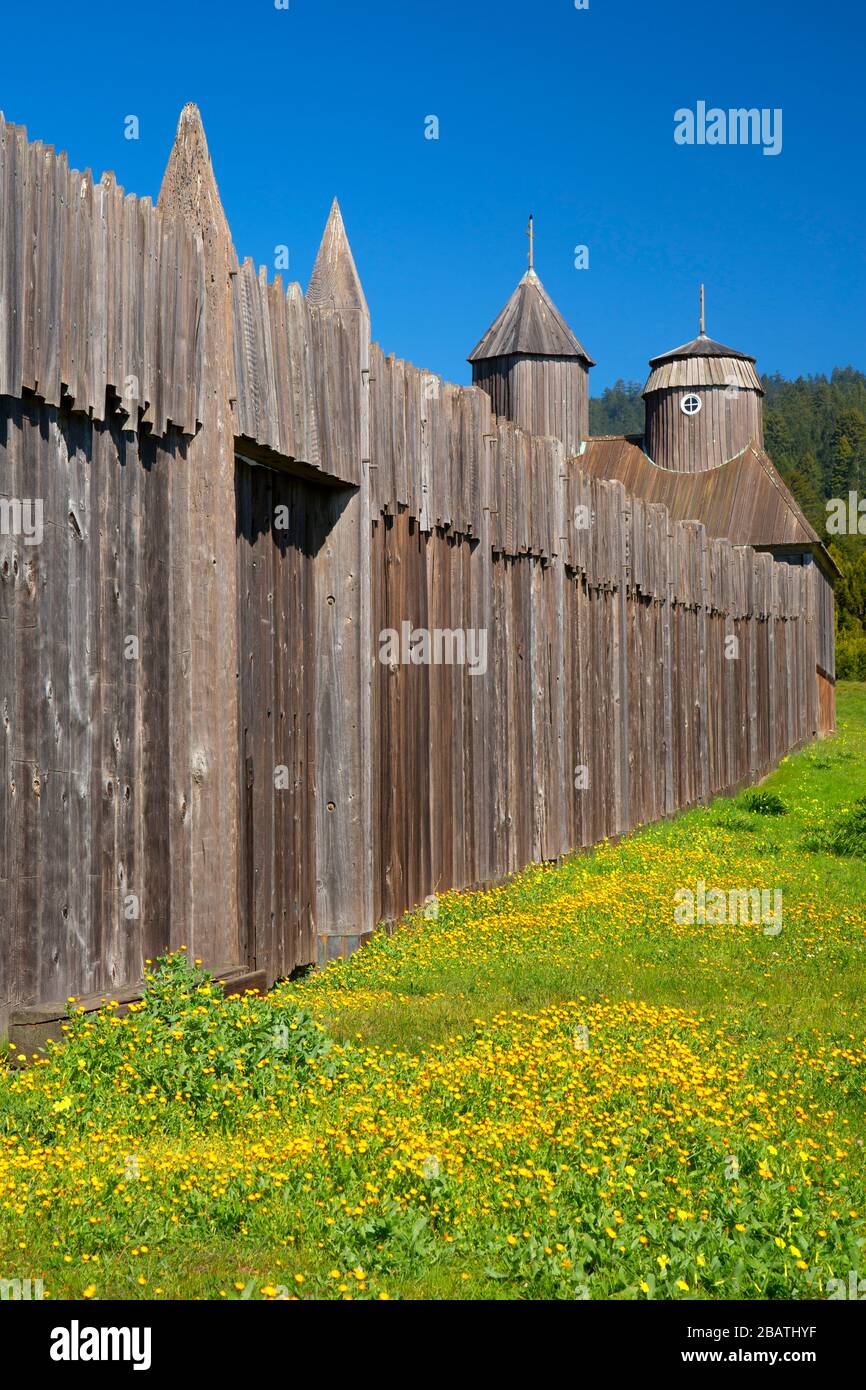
column 530, row 233
column 702, row 311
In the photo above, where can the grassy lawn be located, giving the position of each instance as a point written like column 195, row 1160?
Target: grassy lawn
column 558, row 1089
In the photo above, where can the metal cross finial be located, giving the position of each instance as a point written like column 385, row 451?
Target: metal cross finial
column 702, row 311
column 531, row 235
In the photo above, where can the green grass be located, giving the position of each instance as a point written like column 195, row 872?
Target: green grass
column 812, row 978
column 554, row 1089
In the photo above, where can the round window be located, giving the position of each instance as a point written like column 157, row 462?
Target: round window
column 690, row 405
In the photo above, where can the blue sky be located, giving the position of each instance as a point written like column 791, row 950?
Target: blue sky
column 542, row 108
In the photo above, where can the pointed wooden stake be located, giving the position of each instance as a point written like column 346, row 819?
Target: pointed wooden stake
column 335, row 282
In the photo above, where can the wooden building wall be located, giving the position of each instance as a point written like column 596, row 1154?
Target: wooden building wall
column 726, row 423
column 125, row 766
column 541, row 395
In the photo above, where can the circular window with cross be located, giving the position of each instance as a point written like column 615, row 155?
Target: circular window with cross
column 690, row 405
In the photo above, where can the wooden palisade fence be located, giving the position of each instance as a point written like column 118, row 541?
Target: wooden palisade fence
column 240, row 494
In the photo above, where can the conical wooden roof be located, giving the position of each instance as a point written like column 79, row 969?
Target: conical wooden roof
column 530, row 323
column 702, row 346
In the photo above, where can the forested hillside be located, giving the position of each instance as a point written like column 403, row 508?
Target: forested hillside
column 815, row 433
column 618, row 410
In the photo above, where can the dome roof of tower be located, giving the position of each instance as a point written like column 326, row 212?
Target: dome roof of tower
column 703, row 362
column 702, row 346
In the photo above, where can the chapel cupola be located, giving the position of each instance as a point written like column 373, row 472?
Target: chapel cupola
column 532, row 366
column 703, row 405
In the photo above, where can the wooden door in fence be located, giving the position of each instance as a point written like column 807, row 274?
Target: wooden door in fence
column 276, row 762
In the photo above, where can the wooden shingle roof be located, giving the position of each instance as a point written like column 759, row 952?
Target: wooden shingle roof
column 530, row 323
column 703, row 362
column 744, row 500
column 702, row 346
column 679, row 372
